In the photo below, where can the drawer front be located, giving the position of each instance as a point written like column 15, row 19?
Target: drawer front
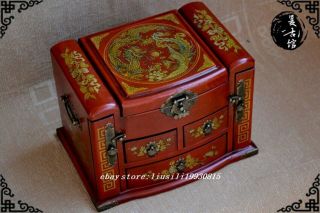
column 151, row 147
column 206, row 128
column 139, row 125
column 187, row 162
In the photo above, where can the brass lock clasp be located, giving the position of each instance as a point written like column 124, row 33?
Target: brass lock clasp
column 179, row 105
column 238, row 100
column 111, row 143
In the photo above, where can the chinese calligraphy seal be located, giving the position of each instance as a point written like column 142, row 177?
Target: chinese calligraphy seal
column 288, row 31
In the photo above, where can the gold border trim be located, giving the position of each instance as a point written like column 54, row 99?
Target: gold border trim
column 169, row 17
column 108, row 184
column 130, row 90
column 97, row 39
column 207, row 63
column 244, row 125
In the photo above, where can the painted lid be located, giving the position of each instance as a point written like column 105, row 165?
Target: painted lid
column 145, row 62
column 148, row 55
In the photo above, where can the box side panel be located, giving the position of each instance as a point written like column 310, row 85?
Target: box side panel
column 242, row 126
column 83, row 79
column 83, row 99
column 78, row 133
column 107, row 186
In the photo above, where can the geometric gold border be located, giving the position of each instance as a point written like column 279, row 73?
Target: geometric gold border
column 108, row 184
column 244, row 124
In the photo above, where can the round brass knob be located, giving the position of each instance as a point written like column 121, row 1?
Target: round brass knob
column 152, row 149
column 112, row 151
column 180, row 165
column 207, row 128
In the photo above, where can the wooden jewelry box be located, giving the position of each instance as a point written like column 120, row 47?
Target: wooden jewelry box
column 167, row 95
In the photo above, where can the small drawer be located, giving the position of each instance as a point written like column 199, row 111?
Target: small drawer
column 185, row 163
column 206, row 128
column 151, row 147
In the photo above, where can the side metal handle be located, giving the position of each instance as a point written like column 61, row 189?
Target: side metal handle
column 72, row 116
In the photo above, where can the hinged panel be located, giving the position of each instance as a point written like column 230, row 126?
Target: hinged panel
column 104, row 169
column 243, row 108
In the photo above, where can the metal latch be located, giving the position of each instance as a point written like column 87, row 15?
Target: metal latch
column 179, row 105
column 238, row 100
column 111, row 143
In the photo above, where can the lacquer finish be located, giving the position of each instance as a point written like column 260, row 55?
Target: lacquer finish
column 124, row 77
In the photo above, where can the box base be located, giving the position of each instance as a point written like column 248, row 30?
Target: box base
column 128, row 195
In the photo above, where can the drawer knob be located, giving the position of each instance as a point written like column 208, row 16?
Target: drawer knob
column 112, row 151
column 207, row 128
column 152, row 149
column 180, row 165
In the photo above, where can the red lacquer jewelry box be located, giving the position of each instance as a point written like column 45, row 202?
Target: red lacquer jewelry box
column 170, row 94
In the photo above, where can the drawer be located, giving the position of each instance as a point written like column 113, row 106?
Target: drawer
column 151, row 147
column 206, row 128
column 187, row 162
column 153, row 122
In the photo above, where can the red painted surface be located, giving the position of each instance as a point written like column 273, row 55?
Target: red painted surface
column 220, row 117
column 133, row 148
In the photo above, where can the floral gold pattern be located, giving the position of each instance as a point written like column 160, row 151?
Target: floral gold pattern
column 190, row 163
column 151, row 53
column 161, row 145
column 170, row 17
column 212, row 153
column 97, row 39
column 220, row 38
column 206, row 63
column 78, row 68
column 215, row 122
column 130, row 90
